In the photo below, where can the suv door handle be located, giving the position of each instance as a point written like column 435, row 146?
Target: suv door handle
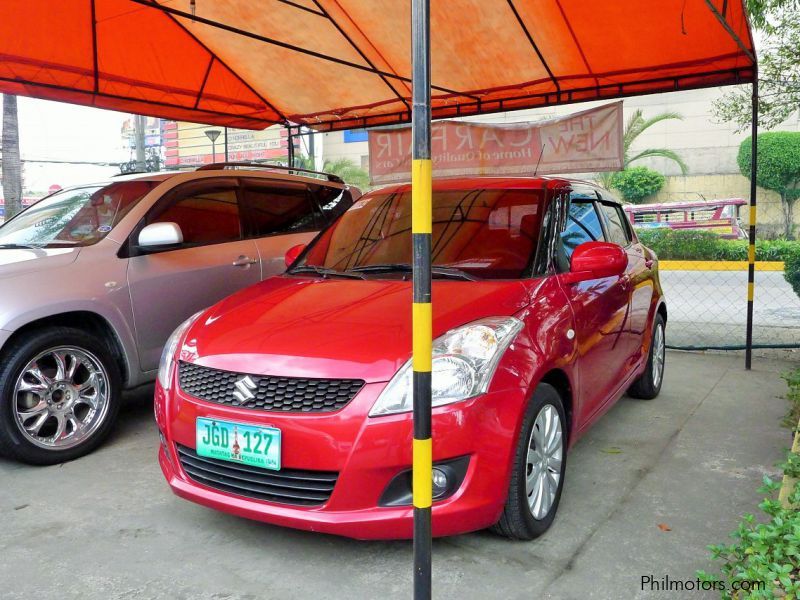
column 244, row 261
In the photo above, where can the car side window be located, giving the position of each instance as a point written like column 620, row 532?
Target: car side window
column 206, row 215
column 277, row 207
column 333, row 202
column 615, row 222
column 582, row 225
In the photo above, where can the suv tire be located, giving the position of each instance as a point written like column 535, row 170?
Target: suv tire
column 75, row 388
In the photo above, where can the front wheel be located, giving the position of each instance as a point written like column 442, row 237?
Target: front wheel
column 540, row 461
column 59, row 396
column 648, row 385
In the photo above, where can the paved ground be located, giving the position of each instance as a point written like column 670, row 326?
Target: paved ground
column 107, row 528
column 709, row 308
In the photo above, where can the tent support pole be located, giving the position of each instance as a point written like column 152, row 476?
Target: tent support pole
column 751, row 251
column 422, row 317
column 290, row 143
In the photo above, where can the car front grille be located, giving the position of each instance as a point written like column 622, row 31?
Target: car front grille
column 267, row 392
column 287, row 486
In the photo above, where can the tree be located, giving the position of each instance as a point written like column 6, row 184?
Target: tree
column 12, row 164
column 778, row 68
column 778, row 168
column 343, row 167
column 634, row 127
column 637, row 183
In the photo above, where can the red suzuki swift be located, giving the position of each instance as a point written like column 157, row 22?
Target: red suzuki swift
column 290, row 402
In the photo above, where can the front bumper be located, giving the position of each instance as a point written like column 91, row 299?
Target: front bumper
column 367, row 453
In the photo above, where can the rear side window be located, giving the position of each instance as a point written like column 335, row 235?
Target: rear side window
column 205, row 216
column 333, row 202
column 582, row 225
column 278, row 208
column 615, row 222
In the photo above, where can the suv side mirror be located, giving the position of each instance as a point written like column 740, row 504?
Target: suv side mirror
column 594, row 260
column 160, row 234
column 292, row 254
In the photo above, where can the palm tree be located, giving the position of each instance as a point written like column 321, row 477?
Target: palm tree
column 634, row 127
column 12, row 164
column 345, row 168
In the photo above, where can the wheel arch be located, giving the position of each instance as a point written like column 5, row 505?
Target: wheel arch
column 85, row 320
column 559, row 379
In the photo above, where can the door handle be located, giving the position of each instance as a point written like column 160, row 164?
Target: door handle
column 625, row 281
column 244, row 261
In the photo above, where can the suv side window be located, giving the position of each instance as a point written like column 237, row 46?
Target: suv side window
column 207, row 213
column 333, row 202
column 277, row 207
column 582, row 225
column 615, row 223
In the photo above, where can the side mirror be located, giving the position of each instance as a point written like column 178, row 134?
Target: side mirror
column 594, row 260
column 160, row 234
column 292, row 254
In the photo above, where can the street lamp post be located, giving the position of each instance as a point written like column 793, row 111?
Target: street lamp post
column 212, row 135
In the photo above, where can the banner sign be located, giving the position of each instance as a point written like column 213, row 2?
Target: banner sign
column 583, row 142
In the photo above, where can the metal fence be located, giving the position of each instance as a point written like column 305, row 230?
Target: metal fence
column 705, row 283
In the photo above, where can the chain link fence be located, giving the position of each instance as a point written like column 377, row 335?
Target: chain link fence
column 703, row 266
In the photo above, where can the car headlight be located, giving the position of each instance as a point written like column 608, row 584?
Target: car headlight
column 464, row 361
column 168, row 354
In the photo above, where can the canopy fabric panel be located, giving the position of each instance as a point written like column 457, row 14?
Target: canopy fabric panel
column 341, row 64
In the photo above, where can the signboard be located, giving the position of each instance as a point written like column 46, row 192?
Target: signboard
column 586, row 141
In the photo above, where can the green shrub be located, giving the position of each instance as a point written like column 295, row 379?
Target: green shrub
column 636, row 183
column 792, row 269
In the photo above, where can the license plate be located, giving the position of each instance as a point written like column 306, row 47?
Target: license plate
column 239, row 443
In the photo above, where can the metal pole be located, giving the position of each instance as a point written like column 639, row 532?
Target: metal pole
column 226, row 144
column 751, row 251
column 290, row 142
column 422, row 318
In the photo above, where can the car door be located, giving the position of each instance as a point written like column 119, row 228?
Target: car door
column 599, row 306
column 638, row 279
column 279, row 215
column 214, row 260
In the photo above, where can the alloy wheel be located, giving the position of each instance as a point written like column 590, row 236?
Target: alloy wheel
column 543, row 464
column 659, row 355
column 61, row 397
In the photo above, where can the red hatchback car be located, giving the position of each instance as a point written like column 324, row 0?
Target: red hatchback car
column 290, row 402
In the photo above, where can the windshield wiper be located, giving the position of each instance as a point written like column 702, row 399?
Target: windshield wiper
column 436, row 270
column 325, row 272
column 20, row 247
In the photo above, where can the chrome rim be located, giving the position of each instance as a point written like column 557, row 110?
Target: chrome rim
column 659, row 352
column 543, row 465
column 61, row 398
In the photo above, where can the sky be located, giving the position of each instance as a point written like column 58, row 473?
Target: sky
column 57, row 131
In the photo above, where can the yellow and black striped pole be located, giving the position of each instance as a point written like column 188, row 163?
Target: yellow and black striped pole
column 422, row 325
column 751, row 250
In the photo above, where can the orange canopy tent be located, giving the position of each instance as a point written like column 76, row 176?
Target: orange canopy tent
column 340, row 64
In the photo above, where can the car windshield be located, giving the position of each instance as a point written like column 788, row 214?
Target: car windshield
column 477, row 233
column 74, row 217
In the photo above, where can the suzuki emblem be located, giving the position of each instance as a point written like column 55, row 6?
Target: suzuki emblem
column 244, row 389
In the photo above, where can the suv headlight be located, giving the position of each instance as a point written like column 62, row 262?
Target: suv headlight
column 168, row 354
column 464, row 361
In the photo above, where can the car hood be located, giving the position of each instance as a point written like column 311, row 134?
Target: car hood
column 335, row 328
column 22, row 261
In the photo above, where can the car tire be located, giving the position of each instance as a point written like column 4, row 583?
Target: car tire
column 649, row 383
column 58, row 379
column 519, row 521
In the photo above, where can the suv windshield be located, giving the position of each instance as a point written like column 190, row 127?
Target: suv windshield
column 74, row 217
column 483, row 233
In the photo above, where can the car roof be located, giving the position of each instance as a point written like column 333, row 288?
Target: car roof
column 516, row 183
column 193, row 175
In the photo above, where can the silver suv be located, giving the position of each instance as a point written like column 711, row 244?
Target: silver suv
column 93, row 280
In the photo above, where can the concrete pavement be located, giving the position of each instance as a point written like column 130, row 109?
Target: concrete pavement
column 106, row 527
